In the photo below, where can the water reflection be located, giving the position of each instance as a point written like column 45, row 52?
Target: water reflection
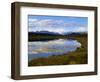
column 39, row 49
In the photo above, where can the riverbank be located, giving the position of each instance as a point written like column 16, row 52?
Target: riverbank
column 77, row 57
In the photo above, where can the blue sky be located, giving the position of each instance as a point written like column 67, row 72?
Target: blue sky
column 60, row 24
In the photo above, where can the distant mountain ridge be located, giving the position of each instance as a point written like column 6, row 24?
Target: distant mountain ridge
column 45, row 32
column 55, row 33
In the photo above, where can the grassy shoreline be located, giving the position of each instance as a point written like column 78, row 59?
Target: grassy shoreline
column 77, row 57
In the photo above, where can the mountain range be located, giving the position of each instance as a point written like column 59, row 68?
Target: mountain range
column 56, row 33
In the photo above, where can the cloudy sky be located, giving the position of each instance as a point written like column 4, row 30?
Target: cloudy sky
column 60, row 24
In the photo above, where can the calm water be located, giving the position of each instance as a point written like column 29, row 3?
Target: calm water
column 48, row 48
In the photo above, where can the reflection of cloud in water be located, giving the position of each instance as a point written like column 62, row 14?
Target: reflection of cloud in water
column 53, row 46
column 55, row 42
column 59, row 41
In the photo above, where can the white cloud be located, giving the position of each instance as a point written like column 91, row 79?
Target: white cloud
column 54, row 25
column 32, row 20
column 82, row 29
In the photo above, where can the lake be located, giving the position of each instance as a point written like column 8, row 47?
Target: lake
column 38, row 49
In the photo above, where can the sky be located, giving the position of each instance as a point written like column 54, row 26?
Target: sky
column 59, row 24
